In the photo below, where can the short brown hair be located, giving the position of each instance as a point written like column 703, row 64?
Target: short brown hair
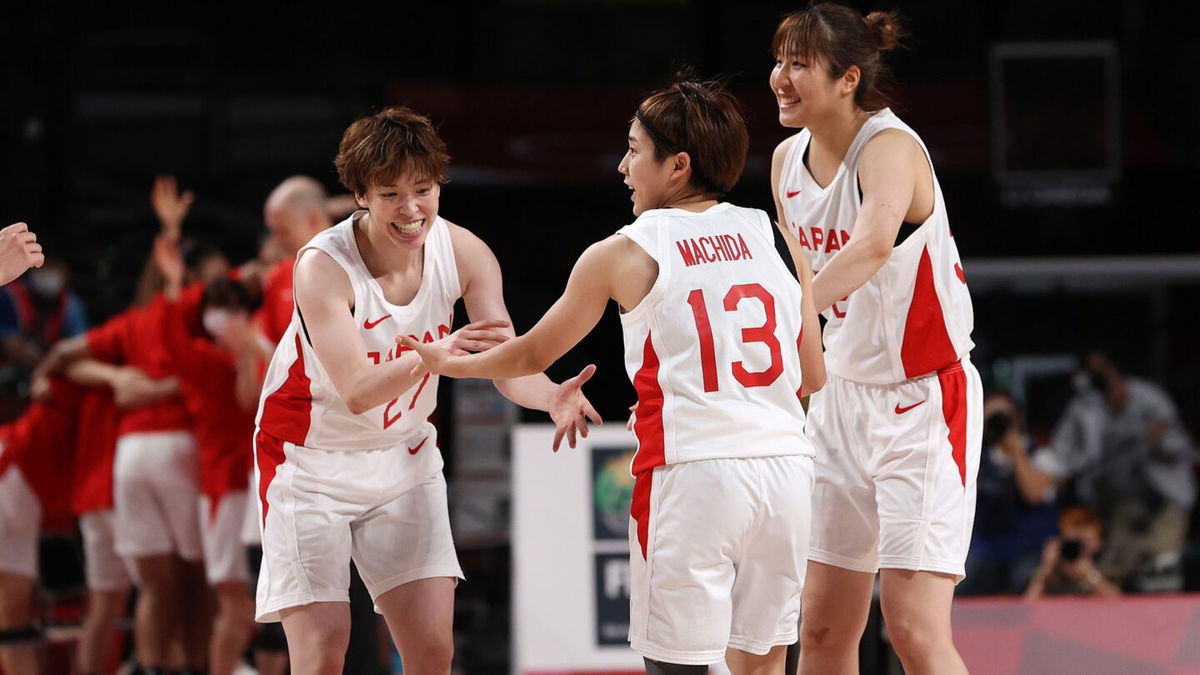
column 703, row 120
column 1078, row 517
column 378, row 149
column 843, row 37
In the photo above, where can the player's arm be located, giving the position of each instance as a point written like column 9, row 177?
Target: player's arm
column 888, row 181
column 324, row 296
column 812, row 356
column 566, row 323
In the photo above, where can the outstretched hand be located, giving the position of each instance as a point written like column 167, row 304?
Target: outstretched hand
column 571, row 410
column 170, row 205
column 479, row 336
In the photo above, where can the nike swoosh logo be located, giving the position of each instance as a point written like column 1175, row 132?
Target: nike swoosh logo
column 368, row 324
column 791, row 194
column 901, row 411
column 414, row 450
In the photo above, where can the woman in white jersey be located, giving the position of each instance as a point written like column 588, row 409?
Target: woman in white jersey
column 347, row 464
column 713, row 345
column 897, row 429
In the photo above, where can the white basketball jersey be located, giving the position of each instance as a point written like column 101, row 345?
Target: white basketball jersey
column 913, row 316
column 712, row 350
column 299, row 402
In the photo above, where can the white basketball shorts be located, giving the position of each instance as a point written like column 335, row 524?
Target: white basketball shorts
column 896, row 467
column 323, row 508
column 20, row 524
column 720, row 559
column 103, row 569
column 156, row 487
column 221, row 534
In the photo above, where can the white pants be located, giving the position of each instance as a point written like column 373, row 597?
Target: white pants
column 720, row 559
column 20, row 525
column 896, row 467
column 155, row 484
column 221, row 534
column 104, row 570
column 320, row 509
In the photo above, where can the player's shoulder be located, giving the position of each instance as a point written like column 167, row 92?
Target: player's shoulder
column 784, row 147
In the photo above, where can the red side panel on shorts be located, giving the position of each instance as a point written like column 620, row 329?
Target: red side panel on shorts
column 926, row 346
column 639, row 510
column 954, row 408
column 648, row 426
column 287, row 412
column 269, row 454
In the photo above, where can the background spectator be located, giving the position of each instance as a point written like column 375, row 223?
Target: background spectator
column 1068, row 564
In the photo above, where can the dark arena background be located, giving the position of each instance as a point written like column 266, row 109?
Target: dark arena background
column 1064, row 135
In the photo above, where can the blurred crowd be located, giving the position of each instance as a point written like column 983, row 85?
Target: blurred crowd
column 1101, row 506
column 151, row 410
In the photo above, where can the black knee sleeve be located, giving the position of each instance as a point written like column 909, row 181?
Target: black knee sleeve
column 791, row 662
column 660, row 668
column 19, row 637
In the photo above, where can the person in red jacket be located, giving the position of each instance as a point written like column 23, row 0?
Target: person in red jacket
column 33, row 451
column 213, row 372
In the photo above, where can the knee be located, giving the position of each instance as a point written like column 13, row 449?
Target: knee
column 324, row 647
column 820, row 636
column 911, row 634
column 432, row 654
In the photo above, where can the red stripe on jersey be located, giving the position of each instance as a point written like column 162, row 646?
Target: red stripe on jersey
column 639, row 509
column 954, row 409
column 926, row 346
column 268, row 452
column 800, row 354
column 287, row 412
column 648, row 426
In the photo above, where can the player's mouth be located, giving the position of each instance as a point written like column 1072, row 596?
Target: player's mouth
column 632, row 192
column 408, row 229
column 786, row 102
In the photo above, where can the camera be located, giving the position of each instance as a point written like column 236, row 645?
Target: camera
column 995, row 426
column 1071, row 550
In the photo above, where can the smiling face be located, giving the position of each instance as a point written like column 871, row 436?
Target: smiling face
column 805, row 92
column 646, row 176
column 402, row 213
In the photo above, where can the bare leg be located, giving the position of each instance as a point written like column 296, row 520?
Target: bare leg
column 103, row 610
column 16, row 612
column 156, row 620
column 317, row 635
column 745, row 663
column 231, row 628
column 834, row 611
column 420, row 616
column 197, row 616
column 916, row 610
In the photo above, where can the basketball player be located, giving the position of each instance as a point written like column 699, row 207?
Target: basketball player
column 347, row 463
column 295, row 212
column 19, row 251
column 719, row 342
column 209, row 369
column 898, row 427
column 33, row 449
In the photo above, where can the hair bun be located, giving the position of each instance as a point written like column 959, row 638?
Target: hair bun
column 885, row 26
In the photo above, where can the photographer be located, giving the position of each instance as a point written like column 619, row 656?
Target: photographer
column 1121, row 440
column 1068, row 561
column 1015, row 512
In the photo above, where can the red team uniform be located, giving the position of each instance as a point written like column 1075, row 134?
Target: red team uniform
column 34, row 482
column 720, row 517
column 898, row 425
column 334, row 485
column 155, row 467
column 224, row 433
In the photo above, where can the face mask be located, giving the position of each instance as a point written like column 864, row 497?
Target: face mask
column 46, row 284
column 216, row 321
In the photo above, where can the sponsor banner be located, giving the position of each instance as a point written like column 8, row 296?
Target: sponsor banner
column 571, row 553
